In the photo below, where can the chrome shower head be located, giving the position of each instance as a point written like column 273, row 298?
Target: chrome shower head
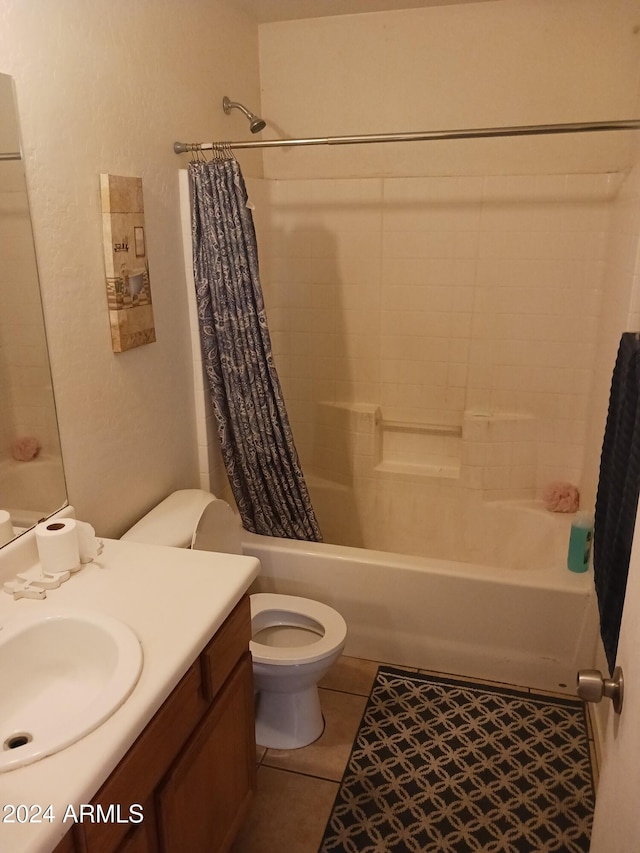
column 256, row 124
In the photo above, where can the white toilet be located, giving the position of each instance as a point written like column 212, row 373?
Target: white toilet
column 295, row 641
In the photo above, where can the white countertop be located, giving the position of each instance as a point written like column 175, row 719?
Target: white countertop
column 174, row 600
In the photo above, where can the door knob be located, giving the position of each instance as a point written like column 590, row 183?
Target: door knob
column 592, row 686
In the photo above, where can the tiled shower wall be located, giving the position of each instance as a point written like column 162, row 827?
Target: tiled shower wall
column 455, row 311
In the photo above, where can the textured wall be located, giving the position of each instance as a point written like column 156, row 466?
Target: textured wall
column 108, row 86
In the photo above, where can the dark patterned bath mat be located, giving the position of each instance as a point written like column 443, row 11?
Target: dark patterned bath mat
column 442, row 766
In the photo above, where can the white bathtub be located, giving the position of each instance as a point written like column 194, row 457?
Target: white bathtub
column 533, row 627
column 31, row 490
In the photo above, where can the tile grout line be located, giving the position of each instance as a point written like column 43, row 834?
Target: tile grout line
column 302, row 773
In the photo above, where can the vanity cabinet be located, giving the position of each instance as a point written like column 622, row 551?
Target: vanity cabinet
column 193, row 769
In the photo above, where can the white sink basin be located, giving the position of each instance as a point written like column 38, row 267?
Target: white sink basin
column 62, row 674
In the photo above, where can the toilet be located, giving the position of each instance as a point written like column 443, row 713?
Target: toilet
column 295, row 641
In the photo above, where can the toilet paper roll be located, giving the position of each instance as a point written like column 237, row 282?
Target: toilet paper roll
column 57, row 543
column 6, row 527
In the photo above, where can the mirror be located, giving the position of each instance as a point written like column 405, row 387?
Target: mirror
column 32, row 483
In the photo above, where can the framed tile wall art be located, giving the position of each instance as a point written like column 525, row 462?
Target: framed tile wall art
column 126, row 263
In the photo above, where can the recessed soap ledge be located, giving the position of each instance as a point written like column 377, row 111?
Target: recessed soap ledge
column 174, row 600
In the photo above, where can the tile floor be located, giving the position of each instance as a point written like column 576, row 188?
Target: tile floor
column 296, row 788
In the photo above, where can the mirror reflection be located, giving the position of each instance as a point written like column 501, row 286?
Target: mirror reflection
column 32, row 481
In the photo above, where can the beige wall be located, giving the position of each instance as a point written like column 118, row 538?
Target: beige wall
column 509, row 62
column 108, row 87
column 432, row 283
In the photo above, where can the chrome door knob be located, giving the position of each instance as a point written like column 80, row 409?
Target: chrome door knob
column 592, row 687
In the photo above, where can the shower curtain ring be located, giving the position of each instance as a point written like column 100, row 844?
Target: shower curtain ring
column 197, row 155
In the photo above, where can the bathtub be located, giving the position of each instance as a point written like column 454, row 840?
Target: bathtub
column 31, row 490
column 530, row 626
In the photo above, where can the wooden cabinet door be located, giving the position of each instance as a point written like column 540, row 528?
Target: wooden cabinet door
column 144, row 838
column 206, row 795
column 66, row 845
column 139, row 842
column 141, row 770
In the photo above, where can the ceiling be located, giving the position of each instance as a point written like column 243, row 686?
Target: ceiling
column 267, row 11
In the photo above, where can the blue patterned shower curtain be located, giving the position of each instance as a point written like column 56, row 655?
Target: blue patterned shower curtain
column 257, row 443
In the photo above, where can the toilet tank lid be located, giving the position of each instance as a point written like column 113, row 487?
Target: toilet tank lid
column 173, row 521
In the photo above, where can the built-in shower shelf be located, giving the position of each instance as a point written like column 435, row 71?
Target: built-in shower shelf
column 424, row 449
column 450, row 430
column 421, row 469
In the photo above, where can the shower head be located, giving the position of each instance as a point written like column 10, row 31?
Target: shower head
column 256, row 124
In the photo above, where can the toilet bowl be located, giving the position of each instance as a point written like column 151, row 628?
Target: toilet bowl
column 295, row 641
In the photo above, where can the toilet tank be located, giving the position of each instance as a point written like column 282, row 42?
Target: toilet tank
column 190, row 518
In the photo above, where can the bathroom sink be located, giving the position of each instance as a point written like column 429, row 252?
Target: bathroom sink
column 62, row 674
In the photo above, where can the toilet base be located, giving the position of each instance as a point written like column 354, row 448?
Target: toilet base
column 288, row 720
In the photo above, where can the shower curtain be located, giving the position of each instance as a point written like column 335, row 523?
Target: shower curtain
column 257, row 443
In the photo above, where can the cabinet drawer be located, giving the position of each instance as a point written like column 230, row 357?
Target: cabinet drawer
column 142, row 768
column 227, row 647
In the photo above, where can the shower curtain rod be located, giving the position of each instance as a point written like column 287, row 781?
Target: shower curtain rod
column 11, row 155
column 471, row 133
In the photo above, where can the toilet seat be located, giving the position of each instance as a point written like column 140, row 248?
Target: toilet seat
column 299, row 612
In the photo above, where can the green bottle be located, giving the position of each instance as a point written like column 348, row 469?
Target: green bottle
column 580, row 542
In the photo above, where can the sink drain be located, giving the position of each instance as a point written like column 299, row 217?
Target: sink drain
column 17, row 740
